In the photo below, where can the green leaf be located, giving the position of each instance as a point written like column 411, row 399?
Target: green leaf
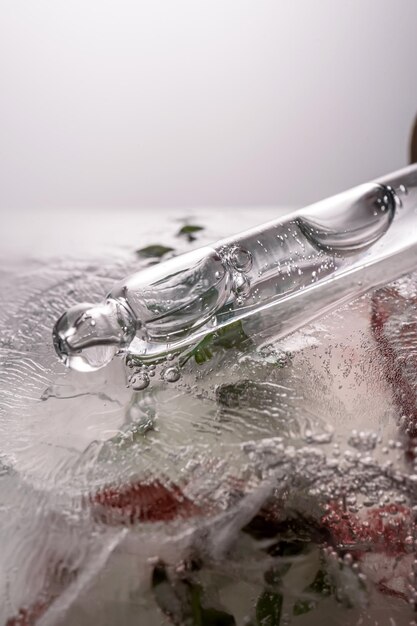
column 214, row 617
column 154, row 251
column 269, row 609
column 207, row 617
column 320, row 587
column 303, row 606
column 321, row 584
column 195, row 602
column 230, row 336
column 189, row 230
column 236, row 395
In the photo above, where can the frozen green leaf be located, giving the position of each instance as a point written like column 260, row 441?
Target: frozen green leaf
column 154, row 251
column 214, row 617
column 319, row 588
column 269, row 608
column 230, row 336
column 321, row 584
column 188, row 231
column 303, row 606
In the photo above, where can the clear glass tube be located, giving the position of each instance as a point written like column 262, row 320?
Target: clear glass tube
column 273, row 277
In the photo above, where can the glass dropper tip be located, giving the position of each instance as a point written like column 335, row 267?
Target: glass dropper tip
column 87, row 336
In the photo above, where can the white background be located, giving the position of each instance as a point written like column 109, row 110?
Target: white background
column 186, row 103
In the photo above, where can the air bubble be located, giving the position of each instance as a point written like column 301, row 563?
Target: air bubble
column 172, row 374
column 139, row 381
column 363, row 441
column 241, row 259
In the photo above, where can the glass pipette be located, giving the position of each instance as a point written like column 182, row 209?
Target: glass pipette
column 274, row 278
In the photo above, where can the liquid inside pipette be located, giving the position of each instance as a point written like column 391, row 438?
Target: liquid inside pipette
column 171, row 306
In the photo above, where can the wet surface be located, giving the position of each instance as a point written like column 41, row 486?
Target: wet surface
column 273, row 484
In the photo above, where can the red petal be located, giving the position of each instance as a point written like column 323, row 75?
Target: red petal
column 142, row 502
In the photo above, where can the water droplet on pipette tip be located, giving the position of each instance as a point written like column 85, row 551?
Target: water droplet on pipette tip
column 72, row 325
column 86, row 337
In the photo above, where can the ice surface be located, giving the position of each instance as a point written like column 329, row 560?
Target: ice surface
column 273, row 481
